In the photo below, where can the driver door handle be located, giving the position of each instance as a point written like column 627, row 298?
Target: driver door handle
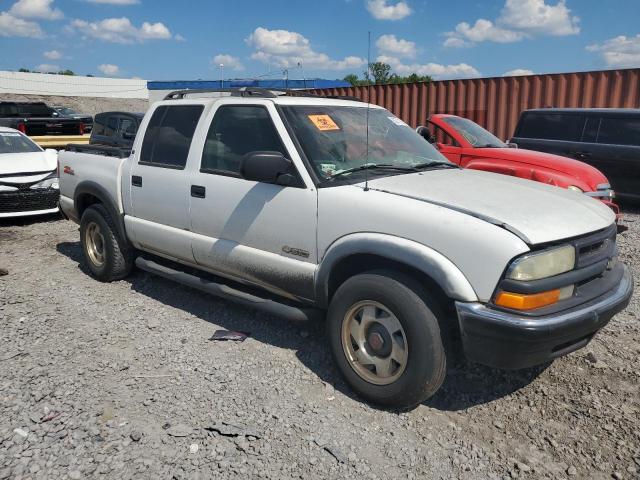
column 198, row 191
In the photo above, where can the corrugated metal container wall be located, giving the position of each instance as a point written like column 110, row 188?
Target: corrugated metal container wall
column 496, row 103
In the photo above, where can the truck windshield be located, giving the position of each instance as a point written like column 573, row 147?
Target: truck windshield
column 11, row 142
column 474, row 133
column 334, row 139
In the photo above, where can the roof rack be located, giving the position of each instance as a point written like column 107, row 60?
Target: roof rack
column 234, row 92
column 255, row 92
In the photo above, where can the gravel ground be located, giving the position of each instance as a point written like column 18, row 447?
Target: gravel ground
column 120, row 381
column 90, row 105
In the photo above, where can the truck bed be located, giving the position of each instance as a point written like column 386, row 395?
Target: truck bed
column 82, row 164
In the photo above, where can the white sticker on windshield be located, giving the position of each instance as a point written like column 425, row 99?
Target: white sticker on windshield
column 398, row 122
column 9, row 134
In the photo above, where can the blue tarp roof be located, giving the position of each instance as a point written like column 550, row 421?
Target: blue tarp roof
column 190, row 84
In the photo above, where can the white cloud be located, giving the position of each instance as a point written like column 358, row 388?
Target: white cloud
column 121, row 30
column 229, row 62
column 179, row 38
column 482, row 31
column 115, row 2
column 536, row 17
column 390, row 45
column 518, row 72
column 109, row 69
column 621, row 51
column 382, row 10
column 519, row 19
column 435, row 70
column 52, row 55
column 285, row 49
column 47, row 67
column 36, row 9
column 11, row 26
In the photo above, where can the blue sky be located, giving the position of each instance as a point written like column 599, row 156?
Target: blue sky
column 170, row 40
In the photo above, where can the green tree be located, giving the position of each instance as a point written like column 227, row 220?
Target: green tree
column 380, row 72
column 353, row 79
column 66, row 72
column 24, row 70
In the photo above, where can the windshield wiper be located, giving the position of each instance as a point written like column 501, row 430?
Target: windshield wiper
column 434, row 163
column 371, row 166
column 489, row 145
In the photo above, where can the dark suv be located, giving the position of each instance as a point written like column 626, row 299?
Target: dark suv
column 115, row 129
column 607, row 138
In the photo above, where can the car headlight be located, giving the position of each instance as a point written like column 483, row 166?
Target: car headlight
column 575, row 189
column 52, row 181
column 545, row 264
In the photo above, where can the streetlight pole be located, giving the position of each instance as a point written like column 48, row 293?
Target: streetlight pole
column 221, row 75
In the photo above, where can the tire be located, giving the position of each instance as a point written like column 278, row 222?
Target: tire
column 391, row 294
column 108, row 256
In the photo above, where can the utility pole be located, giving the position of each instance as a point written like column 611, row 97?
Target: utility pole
column 221, row 75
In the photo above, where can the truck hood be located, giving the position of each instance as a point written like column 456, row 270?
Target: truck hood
column 26, row 163
column 535, row 212
column 575, row 168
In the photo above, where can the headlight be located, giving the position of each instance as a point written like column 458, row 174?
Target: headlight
column 575, row 189
column 544, row 264
column 52, row 181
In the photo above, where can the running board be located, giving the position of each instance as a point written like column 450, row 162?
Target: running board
column 228, row 293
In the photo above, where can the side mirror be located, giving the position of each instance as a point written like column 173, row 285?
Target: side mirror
column 267, row 167
column 425, row 133
column 512, row 145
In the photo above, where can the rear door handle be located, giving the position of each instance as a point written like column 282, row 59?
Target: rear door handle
column 136, row 180
column 198, row 191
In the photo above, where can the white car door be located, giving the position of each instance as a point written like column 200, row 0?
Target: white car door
column 160, row 183
column 260, row 233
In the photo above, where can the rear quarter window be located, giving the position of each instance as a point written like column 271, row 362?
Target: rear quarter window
column 619, row 131
column 551, row 126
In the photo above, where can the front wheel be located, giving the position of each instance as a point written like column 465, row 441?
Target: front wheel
column 385, row 339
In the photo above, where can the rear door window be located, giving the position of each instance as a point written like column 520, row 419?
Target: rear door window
column 168, row 137
column 552, row 126
column 619, row 131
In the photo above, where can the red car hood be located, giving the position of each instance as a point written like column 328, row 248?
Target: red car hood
column 580, row 170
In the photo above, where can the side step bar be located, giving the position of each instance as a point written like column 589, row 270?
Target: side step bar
column 224, row 291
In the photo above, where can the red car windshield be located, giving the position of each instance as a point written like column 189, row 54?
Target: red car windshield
column 474, row 133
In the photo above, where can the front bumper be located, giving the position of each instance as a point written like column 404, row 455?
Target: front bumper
column 506, row 340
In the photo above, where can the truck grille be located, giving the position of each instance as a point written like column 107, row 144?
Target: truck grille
column 29, row 200
column 596, row 247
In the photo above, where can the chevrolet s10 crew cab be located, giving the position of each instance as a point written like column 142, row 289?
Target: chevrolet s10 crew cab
column 301, row 205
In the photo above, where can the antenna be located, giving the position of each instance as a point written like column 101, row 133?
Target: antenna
column 366, row 171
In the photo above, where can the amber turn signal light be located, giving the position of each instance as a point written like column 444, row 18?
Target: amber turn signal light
column 521, row 301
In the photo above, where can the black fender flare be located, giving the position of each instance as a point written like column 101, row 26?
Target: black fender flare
column 401, row 250
column 92, row 188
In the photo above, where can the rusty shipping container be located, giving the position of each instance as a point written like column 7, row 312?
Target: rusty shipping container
column 496, row 102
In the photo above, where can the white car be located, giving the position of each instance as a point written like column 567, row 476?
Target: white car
column 291, row 204
column 28, row 176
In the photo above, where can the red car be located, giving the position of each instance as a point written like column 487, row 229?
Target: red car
column 467, row 144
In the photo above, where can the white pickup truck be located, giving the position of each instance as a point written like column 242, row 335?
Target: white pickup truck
column 305, row 204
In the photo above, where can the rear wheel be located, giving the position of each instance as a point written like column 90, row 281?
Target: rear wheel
column 107, row 256
column 385, row 338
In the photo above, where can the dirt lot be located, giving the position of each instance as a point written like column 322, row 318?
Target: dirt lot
column 120, row 381
column 89, row 105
